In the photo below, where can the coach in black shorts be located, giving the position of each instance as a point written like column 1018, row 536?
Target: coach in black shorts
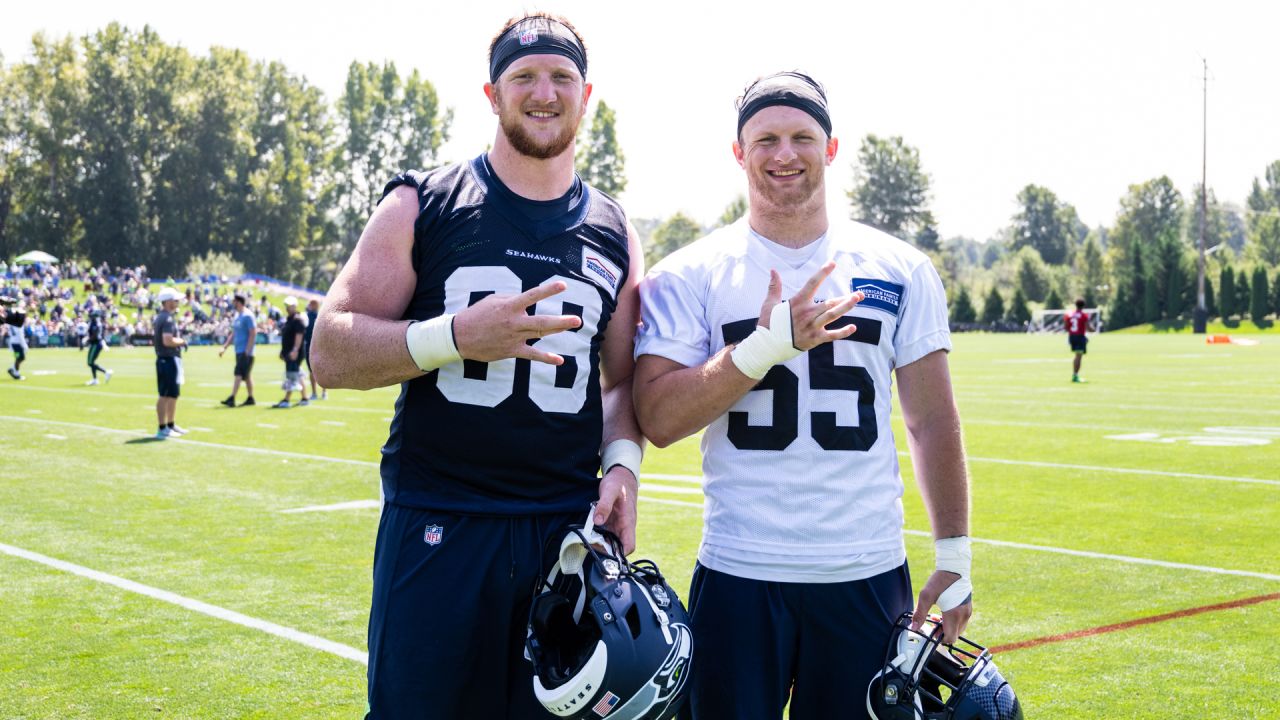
column 500, row 293
column 168, row 343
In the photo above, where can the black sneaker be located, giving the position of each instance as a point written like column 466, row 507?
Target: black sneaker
column 229, row 402
column 248, row 402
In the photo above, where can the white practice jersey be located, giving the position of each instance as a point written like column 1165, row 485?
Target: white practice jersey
column 801, row 476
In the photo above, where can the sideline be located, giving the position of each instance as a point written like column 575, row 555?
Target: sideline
column 311, row 641
column 1176, row 614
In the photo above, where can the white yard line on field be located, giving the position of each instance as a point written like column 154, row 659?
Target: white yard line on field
column 1117, row 558
column 1050, row 549
column 102, row 393
column 186, row 441
column 220, row 613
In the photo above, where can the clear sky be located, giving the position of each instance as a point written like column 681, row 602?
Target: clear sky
column 1082, row 97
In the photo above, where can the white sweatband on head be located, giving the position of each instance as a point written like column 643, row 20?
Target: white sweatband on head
column 766, row 346
column 624, row 452
column 953, row 555
column 431, row 344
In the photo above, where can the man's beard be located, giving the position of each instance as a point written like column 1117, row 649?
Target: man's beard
column 525, row 144
column 786, row 199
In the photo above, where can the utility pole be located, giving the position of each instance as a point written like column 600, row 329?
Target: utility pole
column 1200, row 320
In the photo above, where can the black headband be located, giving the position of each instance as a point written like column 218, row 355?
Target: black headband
column 792, row 89
column 536, row 36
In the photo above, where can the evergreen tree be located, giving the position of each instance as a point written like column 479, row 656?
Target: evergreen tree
column 1150, row 301
column 1227, row 296
column 962, row 310
column 993, row 307
column 890, row 187
column 1242, row 298
column 1259, row 305
column 600, row 160
column 1275, row 295
column 1018, row 311
column 1121, row 310
column 1176, row 287
column 1053, row 302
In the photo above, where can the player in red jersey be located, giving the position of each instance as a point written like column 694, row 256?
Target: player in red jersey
column 1077, row 323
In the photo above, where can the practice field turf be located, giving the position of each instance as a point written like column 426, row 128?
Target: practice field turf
column 1126, row 557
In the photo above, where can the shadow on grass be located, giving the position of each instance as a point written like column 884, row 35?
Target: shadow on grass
column 145, row 440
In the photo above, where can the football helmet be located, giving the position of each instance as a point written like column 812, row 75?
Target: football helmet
column 607, row 638
column 926, row 679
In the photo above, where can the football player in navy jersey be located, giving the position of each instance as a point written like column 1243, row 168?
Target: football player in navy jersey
column 781, row 334
column 501, row 294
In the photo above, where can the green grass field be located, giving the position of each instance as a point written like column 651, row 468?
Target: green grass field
column 167, row 579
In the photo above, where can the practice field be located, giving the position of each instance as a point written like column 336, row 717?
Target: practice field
column 1127, row 534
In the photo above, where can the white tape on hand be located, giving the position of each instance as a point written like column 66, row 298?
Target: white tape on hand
column 624, row 452
column 953, row 555
column 431, row 344
column 767, row 346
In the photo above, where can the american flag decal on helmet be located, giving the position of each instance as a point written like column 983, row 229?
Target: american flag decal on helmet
column 605, row 706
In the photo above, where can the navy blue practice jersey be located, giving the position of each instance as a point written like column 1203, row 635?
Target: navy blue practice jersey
column 510, row 436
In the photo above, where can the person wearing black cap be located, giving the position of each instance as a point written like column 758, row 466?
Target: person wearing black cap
column 802, row 568
column 500, row 293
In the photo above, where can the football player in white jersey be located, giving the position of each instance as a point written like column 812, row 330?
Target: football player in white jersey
column 802, row 568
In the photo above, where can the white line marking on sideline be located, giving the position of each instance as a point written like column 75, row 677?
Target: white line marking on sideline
column 334, row 423
column 269, row 426
column 1126, row 471
column 352, row 505
column 178, row 442
column 679, row 503
column 1057, row 550
column 1118, row 558
column 673, row 489
column 221, row 613
column 51, row 436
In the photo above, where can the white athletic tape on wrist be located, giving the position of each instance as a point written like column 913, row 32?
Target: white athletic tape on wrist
column 622, row 452
column 430, row 343
column 766, row 346
column 953, row 555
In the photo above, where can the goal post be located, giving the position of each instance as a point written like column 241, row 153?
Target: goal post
column 1051, row 321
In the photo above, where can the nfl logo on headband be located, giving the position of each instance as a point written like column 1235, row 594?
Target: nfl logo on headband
column 528, row 37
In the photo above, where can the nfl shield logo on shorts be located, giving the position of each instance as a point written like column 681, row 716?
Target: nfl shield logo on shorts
column 433, row 535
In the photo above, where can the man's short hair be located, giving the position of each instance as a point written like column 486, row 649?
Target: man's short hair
column 1079, row 303
column 240, row 299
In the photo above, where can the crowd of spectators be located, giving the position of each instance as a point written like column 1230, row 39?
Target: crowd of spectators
column 58, row 315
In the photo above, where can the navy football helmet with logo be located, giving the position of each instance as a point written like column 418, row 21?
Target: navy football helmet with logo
column 926, row 679
column 608, row 638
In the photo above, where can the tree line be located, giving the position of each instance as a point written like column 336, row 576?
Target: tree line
column 1142, row 268
column 120, row 147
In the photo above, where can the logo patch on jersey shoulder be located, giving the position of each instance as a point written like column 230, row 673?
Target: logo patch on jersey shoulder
column 433, row 535
column 880, row 294
column 600, row 271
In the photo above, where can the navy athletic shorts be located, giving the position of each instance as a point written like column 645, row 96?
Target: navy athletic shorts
column 751, row 638
column 450, row 612
column 1079, row 343
column 167, row 377
column 244, row 365
column 292, row 366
